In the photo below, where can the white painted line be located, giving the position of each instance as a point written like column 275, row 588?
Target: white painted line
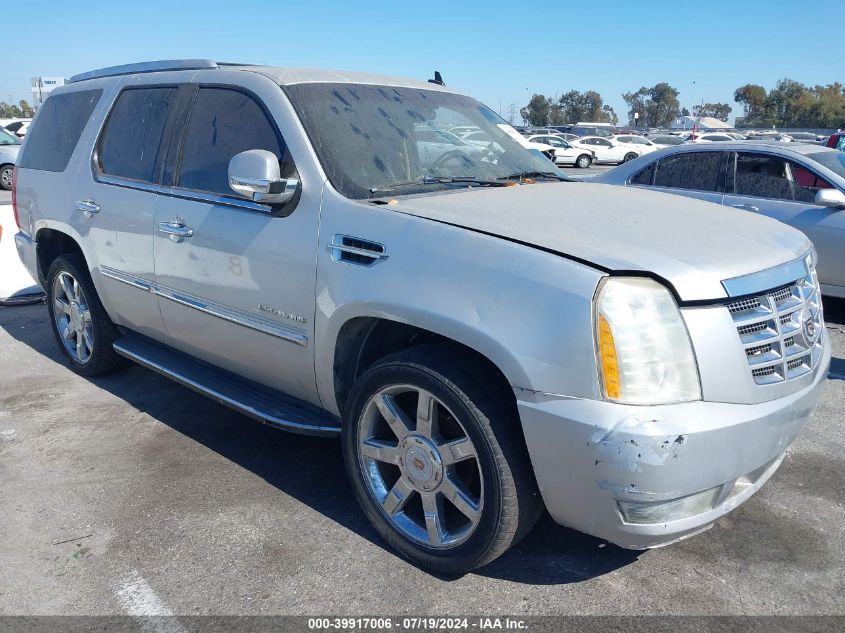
column 139, row 600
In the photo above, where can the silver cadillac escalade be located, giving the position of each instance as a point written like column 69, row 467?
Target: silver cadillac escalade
column 317, row 250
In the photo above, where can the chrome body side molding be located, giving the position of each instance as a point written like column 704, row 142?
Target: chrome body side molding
column 207, row 307
column 132, row 280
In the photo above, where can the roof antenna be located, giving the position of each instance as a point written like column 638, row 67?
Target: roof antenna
column 437, row 79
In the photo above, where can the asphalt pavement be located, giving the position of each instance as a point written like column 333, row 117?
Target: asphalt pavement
column 129, row 494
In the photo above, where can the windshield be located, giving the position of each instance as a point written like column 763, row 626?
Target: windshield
column 834, row 161
column 373, row 139
column 8, row 139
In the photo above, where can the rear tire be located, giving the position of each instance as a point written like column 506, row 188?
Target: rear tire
column 470, row 442
column 629, row 156
column 6, row 176
column 82, row 328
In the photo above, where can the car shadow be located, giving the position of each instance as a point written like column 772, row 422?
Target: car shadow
column 311, row 469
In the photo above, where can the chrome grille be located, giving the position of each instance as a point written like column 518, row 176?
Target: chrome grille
column 781, row 330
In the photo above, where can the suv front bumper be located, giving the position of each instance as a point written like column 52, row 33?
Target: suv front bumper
column 595, row 460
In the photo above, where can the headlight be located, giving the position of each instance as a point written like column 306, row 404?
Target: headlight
column 643, row 350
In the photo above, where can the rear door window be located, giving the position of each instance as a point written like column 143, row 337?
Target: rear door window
column 53, row 137
column 225, row 122
column 698, row 171
column 131, row 143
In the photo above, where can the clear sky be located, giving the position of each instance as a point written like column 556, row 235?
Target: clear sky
column 495, row 51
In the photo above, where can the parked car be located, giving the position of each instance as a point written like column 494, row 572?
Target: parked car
column 588, row 129
column 437, row 146
column 9, row 147
column 666, row 140
column 18, row 127
column 565, row 154
column 531, row 131
column 769, row 136
column 640, row 142
column 800, row 184
column 607, row 150
column 804, row 137
column 836, row 141
column 486, row 337
column 714, row 138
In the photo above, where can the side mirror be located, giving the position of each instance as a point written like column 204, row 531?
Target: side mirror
column 255, row 174
column 830, row 198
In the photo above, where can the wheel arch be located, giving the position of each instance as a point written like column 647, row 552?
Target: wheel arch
column 51, row 244
column 361, row 341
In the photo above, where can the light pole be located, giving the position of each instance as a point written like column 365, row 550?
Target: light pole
column 692, row 103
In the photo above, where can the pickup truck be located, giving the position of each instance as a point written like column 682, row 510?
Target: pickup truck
column 487, row 338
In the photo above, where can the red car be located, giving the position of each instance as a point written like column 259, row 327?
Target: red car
column 837, row 141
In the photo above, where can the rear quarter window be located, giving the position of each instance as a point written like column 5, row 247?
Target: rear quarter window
column 644, row 176
column 55, row 132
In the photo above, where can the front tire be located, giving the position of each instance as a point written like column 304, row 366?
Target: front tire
column 80, row 324
column 583, row 161
column 629, row 156
column 438, row 463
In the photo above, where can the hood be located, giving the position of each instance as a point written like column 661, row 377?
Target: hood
column 693, row 245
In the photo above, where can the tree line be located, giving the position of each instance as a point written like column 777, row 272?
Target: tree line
column 792, row 104
column 570, row 107
column 11, row 111
column 788, row 104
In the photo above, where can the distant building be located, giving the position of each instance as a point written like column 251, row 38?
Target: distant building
column 43, row 86
column 705, row 122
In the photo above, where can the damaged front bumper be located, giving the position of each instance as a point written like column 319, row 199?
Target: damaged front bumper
column 642, row 476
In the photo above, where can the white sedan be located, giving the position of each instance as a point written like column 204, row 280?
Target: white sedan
column 639, row 142
column 565, row 154
column 607, row 150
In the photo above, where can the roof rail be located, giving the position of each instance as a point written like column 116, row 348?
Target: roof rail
column 146, row 67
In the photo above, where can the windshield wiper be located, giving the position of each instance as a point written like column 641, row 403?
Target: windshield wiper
column 520, row 175
column 438, row 180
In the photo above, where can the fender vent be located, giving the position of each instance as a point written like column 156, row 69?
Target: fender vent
column 355, row 251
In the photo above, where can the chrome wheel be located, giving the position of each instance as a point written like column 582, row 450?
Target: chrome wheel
column 72, row 317
column 420, row 466
column 6, row 177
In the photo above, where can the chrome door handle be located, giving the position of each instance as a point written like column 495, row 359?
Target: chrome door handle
column 176, row 229
column 87, row 206
column 745, row 207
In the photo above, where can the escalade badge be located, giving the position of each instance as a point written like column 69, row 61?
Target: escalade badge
column 281, row 313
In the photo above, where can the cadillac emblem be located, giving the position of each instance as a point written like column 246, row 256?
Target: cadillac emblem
column 809, row 327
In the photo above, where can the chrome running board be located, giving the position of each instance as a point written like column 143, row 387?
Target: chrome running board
column 258, row 401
